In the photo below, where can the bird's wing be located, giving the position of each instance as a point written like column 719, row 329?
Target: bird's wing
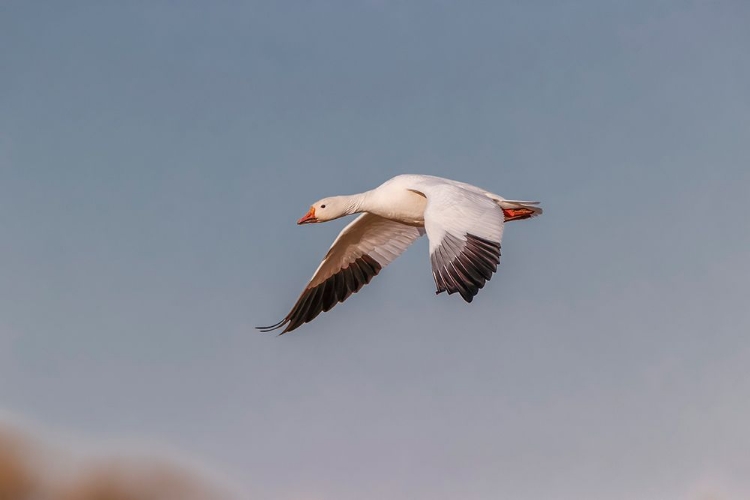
column 360, row 251
column 465, row 229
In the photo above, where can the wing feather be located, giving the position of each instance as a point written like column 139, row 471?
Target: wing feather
column 465, row 228
column 357, row 255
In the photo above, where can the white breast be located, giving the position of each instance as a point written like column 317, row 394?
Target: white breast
column 396, row 202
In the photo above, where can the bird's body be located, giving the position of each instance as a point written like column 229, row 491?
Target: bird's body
column 464, row 224
column 394, row 201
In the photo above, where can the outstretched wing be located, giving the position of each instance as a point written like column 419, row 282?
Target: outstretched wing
column 465, row 229
column 359, row 252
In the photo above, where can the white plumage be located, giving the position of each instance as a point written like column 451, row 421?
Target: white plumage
column 464, row 224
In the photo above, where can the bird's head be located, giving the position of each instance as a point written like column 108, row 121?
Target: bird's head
column 325, row 210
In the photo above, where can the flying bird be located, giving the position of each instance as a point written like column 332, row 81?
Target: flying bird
column 463, row 223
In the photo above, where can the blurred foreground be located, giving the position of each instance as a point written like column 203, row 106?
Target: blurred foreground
column 34, row 466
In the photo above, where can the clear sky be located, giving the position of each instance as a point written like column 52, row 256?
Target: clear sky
column 154, row 157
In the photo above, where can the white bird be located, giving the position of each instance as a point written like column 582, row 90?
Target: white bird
column 464, row 224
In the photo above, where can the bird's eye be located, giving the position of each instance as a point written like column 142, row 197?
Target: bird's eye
column 322, row 206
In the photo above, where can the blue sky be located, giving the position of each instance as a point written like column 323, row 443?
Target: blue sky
column 154, row 157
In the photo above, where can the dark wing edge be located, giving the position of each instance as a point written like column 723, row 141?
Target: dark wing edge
column 464, row 266
column 324, row 296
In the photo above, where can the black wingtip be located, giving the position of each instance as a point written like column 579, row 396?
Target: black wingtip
column 324, row 296
column 468, row 271
column 266, row 329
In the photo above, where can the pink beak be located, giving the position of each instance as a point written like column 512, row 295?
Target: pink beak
column 308, row 217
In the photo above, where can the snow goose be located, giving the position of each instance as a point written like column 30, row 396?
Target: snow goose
column 464, row 225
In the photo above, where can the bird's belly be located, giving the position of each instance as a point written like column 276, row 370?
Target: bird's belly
column 410, row 221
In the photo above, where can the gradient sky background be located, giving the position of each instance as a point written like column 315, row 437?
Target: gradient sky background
column 154, row 157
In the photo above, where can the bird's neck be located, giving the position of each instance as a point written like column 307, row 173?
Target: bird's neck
column 358, row 203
